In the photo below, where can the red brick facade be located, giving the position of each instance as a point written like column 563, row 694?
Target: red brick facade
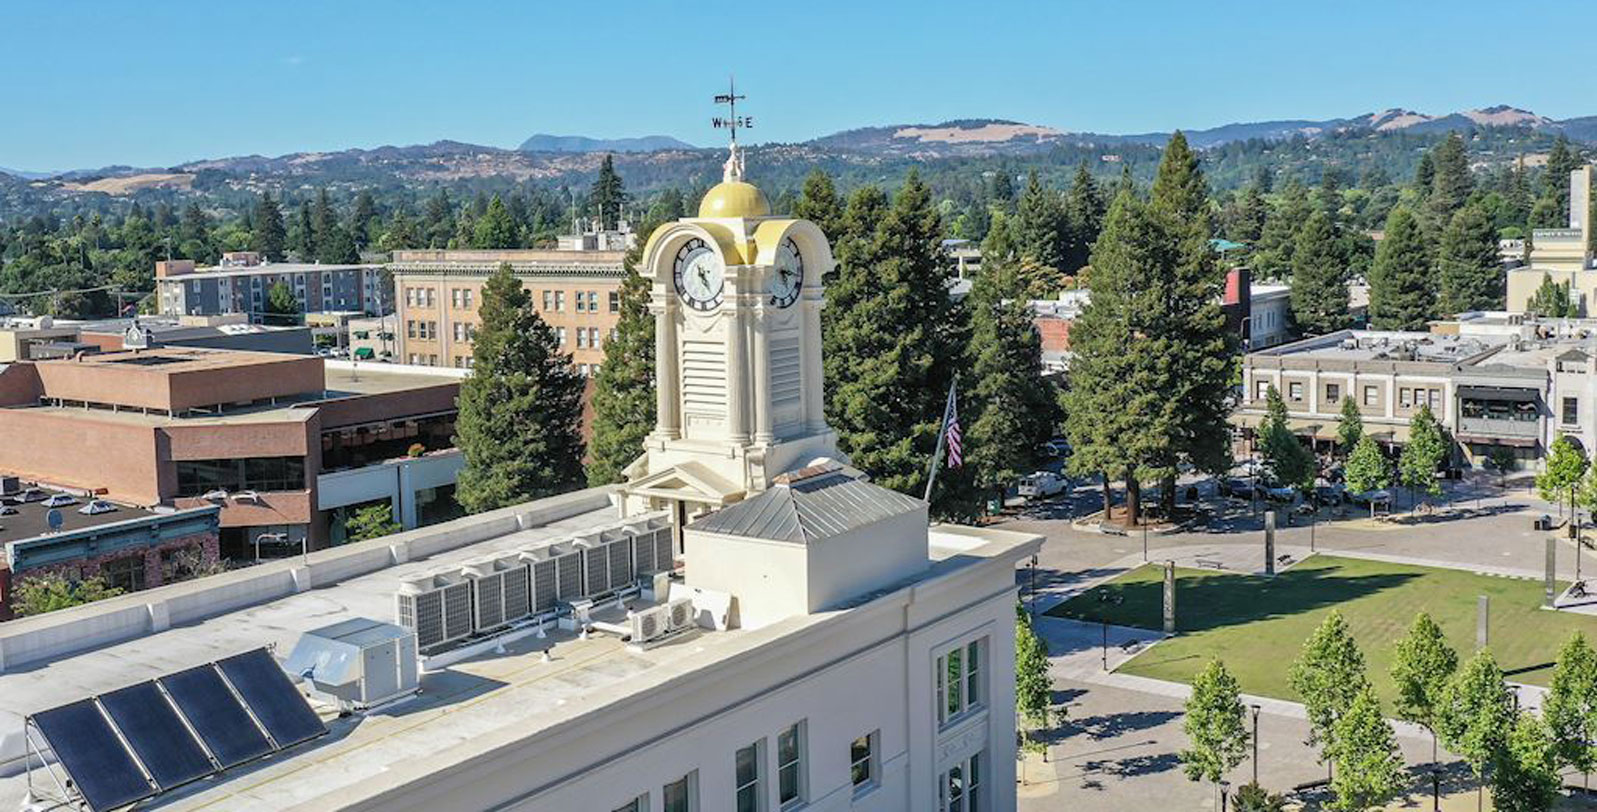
column 207, row 543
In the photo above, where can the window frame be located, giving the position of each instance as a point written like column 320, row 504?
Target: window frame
column 798, row 731
column 690, row 793
column 756, row 783
column 956, row 697
column 870, row 762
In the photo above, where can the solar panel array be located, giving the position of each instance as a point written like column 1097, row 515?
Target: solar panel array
column 136, row 742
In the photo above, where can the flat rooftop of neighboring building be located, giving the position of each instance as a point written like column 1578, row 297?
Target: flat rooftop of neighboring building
column 465, row 711
column 1384, row 345
column 269, row 268
column 32, row 518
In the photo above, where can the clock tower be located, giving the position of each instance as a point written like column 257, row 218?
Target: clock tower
column 737, row 297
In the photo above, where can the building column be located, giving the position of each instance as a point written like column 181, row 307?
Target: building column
column 667, row 423
column 813, row 377
column 759, row 337
column 737, row 419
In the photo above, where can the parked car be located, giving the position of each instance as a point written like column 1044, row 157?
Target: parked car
column 1329, row 495
column 1367, row 498
column 1237, row 488
column 1278, row 493
column 1042, row 484
column 1057, row 447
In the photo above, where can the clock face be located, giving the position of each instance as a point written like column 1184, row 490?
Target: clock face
column 700, row 277
column 787, row 278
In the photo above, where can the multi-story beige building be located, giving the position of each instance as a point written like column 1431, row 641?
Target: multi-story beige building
column 437, row 295
column 1563, row 255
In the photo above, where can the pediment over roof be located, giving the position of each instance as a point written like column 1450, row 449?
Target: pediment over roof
column 689, row 481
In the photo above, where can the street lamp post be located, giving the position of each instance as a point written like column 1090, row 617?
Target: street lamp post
column 1032, row 590
column 1255, row 744
column 1105, row 598
column 1225, row 792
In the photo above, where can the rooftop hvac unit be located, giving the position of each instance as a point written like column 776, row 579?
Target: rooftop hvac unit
column 681, row 614
column 619, row 544
column 650, row 624
column 437, row 607
column 542, row 567
column 595, row 564
column 357, row 663
column 651, row 545
column 518, row 586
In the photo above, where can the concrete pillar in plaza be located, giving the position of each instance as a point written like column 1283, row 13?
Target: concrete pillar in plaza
column 1269, row 542
column 1551, row 587
column 1483, row 610
column 1170, row 597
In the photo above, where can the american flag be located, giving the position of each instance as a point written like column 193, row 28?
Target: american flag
column 956, row 451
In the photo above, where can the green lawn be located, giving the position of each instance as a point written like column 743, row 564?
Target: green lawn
column 1257, row 625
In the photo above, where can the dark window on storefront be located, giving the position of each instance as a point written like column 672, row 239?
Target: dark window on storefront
column 126, row 573
column 364, row 445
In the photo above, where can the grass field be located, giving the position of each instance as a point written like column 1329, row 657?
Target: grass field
column 1257, row 625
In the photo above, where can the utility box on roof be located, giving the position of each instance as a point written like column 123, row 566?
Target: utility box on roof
column 357, row 663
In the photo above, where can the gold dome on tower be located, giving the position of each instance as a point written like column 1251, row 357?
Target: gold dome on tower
column 734, row 198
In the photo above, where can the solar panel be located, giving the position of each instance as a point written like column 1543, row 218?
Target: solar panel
column 102, row 770
column 157, row 734
column 223, row 724
column 276, row 702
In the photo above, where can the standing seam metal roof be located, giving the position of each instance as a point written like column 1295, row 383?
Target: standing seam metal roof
column 810, row 509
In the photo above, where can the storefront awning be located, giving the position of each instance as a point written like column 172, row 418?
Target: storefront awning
column 364, row 353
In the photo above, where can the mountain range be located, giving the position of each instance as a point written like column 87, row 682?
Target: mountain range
column 658, row 159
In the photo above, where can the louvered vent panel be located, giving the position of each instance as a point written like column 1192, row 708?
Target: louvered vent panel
column 570, row 567
column 704, row 376
column 620, row 563
column 429, row 618
column 663, row 554
column 544, row 593
column 457, row 611
column 518, row 597
column 489, row 592
column 785, row 376
column 595, row 567
column 643, row 553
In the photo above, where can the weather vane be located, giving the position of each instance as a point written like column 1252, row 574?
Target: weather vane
column 732, row 121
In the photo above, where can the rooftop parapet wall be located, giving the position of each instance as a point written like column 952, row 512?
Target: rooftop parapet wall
column 40, row 639
column 177, row 380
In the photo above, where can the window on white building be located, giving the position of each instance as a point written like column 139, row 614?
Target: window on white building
column 959, row 789
column 746, row 778
column 862, row 764
column 790, row 766
column 678, row 796
column 637, row 804
column 1571, row 412
column 957, row 675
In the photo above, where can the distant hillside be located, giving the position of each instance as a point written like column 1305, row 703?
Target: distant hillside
column 582, row 143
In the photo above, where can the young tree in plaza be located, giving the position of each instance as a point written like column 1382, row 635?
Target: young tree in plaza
column 1328, row 676
column 1561, row 475
column 1349, row 426
column 1033, row 686
column 1477, row 712
column 1421, row 666
column 1525, row 772
column 1424, row 452
column 1369, row 768
column 520, row 419
column 1570, row 706
column 1285, row 458
column 1366, row 469
column 1215, row 724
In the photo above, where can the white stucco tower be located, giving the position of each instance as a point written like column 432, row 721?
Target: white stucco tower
column 737, row 297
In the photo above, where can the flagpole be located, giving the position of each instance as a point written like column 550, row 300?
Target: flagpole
column 942, row 431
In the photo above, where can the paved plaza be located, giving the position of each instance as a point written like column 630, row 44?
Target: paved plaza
column 1118, row 746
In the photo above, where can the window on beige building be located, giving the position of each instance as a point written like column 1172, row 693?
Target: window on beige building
column 1294, row 391
column 1333, row 393
column 548, row 301
column 560, row 336
column 1261, row 390
column 615, row 301
column 1405, row 397
column 560, row 301
column 1370, row 395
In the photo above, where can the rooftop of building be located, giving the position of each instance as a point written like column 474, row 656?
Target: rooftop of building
column 1387, row 345
column 268, row 268
column 20, row 519
column 464, row 711
column 515, row 256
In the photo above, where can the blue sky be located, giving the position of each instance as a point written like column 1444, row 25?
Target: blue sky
column 159, row 82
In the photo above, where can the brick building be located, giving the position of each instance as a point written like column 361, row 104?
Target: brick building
column 437, row 295
column 285, row 445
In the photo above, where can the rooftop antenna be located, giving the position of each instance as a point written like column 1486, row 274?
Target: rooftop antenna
column 733, row 170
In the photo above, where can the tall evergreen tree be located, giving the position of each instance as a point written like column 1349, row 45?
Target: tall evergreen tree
column 520, row 421
column 1452, row 184
column 1467, row 262
column 819, row 204
column 623, row 392
column 269, row 237
column 1244, row 221
column 1117, row 409
column 1402, row 289
column 608, row 194
column 302, row 238
column 1279, row 237
column 1084, row 213
column 1553, row 300
column 1319, row 294
column 1425, row 174
column 894, row 343
column 1016, row 405
column 362, row 219
column 495, row 229
column 323, row 220
column 1190, row 330
column 438, row 223
column 1286, row 460
column 1041, row 227
column 1561, row 161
